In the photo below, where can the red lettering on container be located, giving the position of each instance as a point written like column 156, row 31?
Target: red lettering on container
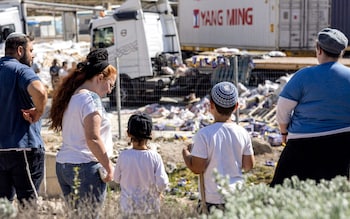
column 212, row 18
column 239, row 16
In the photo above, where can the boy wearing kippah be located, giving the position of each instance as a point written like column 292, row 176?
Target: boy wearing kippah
column 140, row 171
column 224, row 146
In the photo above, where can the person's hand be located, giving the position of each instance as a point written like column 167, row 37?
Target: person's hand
column 31, row 115
column 284, row 140
column 188, row 147
column 110, row 172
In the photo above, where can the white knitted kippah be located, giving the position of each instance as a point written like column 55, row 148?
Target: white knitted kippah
column 224, row 94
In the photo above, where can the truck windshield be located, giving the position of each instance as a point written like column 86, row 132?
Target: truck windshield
column 103, row 37
column 5, row 30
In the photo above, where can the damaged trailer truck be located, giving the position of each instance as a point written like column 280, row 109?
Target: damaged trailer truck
column 143, row 38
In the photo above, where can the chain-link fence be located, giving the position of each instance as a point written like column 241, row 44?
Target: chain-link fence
column 259, row 76
column 192, row 82
column 181, row 86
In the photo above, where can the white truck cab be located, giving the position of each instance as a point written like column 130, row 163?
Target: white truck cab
column 143, row 37
column 10, row 21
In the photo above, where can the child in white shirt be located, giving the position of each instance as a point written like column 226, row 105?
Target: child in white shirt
column 140, row 171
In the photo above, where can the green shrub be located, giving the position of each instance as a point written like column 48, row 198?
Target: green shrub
column 7, row 210
column 293, row 199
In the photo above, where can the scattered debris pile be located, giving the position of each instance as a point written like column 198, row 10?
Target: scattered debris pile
column 257, row 113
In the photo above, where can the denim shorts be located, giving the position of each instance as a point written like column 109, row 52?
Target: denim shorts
column 14, row 178
column 81, row 182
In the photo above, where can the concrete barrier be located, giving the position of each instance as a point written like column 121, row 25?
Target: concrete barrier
column 49, row 186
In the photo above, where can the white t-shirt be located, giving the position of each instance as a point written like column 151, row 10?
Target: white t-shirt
column 62, row 72
column 223, row 145
column 74, row 147
column 142, row 177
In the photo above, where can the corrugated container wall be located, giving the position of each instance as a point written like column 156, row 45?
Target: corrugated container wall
column 340, row 18
column 300, row 21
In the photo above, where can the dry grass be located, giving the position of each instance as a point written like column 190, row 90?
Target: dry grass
column 178, row 202
column 172, row 207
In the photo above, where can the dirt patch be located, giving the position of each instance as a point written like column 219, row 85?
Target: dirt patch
column 168, row 143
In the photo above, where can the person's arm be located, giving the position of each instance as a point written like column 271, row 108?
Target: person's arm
column 196, row 164
column 92, row 124
column 284, row 132
column 51, row 71
column 117, row 171
column 248, row 162
column 284, row 111
column 162, row 179
column 38, row 93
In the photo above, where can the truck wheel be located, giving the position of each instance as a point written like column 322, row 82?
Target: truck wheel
column 112, row 99
column 156, row 95
column 203, row 87
column 126, row 94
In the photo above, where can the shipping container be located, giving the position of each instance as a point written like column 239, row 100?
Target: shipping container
column 252, row 24
column 340, row 16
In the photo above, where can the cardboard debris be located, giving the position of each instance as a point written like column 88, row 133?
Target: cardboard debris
column 257, row 105
column 258, row 118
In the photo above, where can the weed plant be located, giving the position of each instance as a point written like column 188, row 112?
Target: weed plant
column 7, row 210
column 293, row 199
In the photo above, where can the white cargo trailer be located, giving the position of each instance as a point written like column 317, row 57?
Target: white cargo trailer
column 251, row 24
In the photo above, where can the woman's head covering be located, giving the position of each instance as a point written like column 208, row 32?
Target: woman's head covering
column 96, row 62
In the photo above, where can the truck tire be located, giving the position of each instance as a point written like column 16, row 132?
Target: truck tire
column 156, row 95
column 126, row 92
column 203, row 86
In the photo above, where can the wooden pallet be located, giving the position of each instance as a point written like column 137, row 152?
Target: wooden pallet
column 263, row 114
column 290, row 63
